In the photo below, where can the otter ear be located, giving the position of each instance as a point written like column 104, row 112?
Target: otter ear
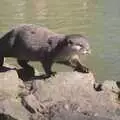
column 55, row 40
column 70, row 42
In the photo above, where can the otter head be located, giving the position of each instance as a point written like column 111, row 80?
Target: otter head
column 78, row 44
column 68, row 46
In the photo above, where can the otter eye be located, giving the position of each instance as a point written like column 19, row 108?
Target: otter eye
column 50, row 42
column 70, row 42
column 80, row 45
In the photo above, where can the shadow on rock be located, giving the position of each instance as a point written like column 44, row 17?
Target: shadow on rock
column 5, row 69
column 6, row 117
column 28, row 75
column 41, row 77
column 118, row 84
column 68, row 111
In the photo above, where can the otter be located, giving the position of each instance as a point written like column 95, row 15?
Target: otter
column 35, row 43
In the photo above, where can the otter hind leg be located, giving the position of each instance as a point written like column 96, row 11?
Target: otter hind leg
column 24, row 64
column 3, row 68
column 1, row 61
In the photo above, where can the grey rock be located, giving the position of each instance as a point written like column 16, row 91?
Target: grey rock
column 76, row 116
column 77, row 87
column 69, row 111
column 10, row 87
column 10, row 84
column 66, row 96
column 111, row 85
column 32, row 104
column 13, row 109
column 6, row 117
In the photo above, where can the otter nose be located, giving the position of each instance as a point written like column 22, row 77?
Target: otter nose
column 87, row 52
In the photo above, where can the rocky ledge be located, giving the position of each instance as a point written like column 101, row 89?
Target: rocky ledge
column 66, row 96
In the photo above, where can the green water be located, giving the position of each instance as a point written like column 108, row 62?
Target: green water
column 97, row 19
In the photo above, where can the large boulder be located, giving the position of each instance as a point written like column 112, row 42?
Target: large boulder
column 11, row 109
column 66, row 96
column 10, row 84
column 10, row 88
column 77, row 88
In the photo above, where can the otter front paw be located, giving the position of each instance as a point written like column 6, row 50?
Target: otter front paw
column 48, row 75
column 82, row 69
column 53, row 73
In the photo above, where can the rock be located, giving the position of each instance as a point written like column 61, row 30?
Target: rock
column 10, row 87
column 114, row 87
column 6, row 117
column 63, row 85
column 10, row 84
column 70, row 111
column 111, row 86
column 32, row 104
column 68, row 115
column 76, row 116
column 12, row 109
column 68, row 95
column 76, row 87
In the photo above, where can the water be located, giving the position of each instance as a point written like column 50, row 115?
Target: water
column 97, row 19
